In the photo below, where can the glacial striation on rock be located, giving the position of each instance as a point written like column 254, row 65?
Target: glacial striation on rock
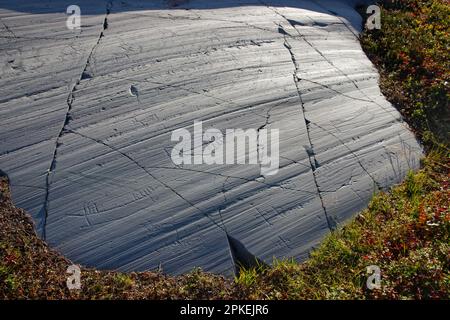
column 86, row 117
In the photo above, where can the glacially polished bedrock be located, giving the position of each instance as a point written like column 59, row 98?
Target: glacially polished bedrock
column 86, row 118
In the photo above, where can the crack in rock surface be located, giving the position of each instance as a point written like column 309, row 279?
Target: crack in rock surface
column 86, row 118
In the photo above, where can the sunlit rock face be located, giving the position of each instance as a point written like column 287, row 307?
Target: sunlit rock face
column 87, row 116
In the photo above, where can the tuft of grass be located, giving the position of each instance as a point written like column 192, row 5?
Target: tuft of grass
column 123, row 281
column 247, row 277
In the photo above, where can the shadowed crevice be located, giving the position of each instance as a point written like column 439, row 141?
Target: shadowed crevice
column 242, row 258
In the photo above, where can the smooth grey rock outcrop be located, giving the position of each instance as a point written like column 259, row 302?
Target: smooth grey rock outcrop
column 86, row 119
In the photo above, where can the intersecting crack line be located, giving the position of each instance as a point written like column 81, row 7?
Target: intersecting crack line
column 358, row 160
column 357, row 194
column 311, row 154
column 8, row 29
column 349, row 187
column 118, row 149
column 145, row 169
column 303, row 37
column 328, row 61
column 223, row 190
column 67, row 119
column 334, row 90
column 262, row 216
column 188, row 123
column 263, row 126
column 295, row 161
column 343, row 185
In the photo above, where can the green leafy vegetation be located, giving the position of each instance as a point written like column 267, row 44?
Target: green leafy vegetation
column 412, row 52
